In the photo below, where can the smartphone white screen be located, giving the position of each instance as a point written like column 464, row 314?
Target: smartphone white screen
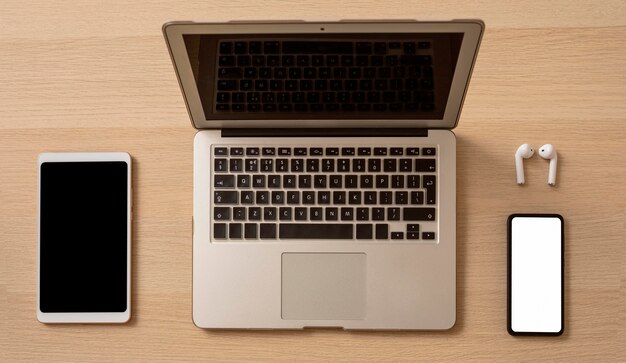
column 536, row 275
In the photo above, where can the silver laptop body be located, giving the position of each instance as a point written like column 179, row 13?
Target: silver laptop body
column 324, row 170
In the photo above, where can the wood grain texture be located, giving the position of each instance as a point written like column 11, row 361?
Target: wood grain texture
column 96, row 76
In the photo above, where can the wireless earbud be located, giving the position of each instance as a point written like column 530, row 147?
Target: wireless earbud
column 547, row 152
column 523, row 152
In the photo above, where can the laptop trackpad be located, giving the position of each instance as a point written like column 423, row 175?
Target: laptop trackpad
column 323, row 286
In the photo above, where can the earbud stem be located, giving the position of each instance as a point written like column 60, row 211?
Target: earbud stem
column 552, row 172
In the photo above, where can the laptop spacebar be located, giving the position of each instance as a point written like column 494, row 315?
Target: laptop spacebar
column 315, row 231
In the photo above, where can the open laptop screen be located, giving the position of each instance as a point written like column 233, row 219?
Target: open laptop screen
column 342, row 76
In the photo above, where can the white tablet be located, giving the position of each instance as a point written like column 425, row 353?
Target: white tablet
column 84, row 235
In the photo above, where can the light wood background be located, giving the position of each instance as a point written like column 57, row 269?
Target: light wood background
column 96, row 76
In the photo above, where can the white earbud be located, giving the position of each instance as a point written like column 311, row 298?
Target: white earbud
column 547, row 152
column 523, row 152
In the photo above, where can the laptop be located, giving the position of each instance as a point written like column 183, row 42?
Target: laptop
column 324, row 170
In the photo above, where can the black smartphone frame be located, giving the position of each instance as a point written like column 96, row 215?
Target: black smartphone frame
column 509, row 237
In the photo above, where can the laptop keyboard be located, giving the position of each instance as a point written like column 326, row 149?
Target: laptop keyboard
column 364, row 193
column 290, row 76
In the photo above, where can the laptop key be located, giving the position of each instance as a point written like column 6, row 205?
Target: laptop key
column 319, row 181
column 316, row 214
column 417, row 197
column 297, row 165
column 267, row 231
column 284, row 213
column 335, row 181
column 243, row 181
column 347, row 214
column 300, row 214
column 234, row 231
column 343, row 165
column 402, row 197
column 351, row 182
column 219, row 230
column 390, row 165
column 428, row 235
column 220, row 165
column 425, row 165
column 226, row 85
column 367, row 181
column 358, row 165
column 406, row 165
column 258, row 181
column 239, row 213
column 347, row 151
column 397, row 235
column 278, row 197
column 354, row 198
column 385, row 197
column 332, row 214
column 250, row 231
column 226, row 47
column 413, row 181
column 382, row 181
column 393, row 214
column 328, row 165
column 339, row 198
column 267, row 165
column 312, row 165
column 226, row 61
column 308, row 197
column 363, row 231
column 229, row 72
column 269, row 213
column 254, row 213
column 223, row 181
column 221, row 213
column 225, row 197
column 382, row 231
column 262, row 197
column 413, row 151
column 369, row 198
column 397, row 181
column 289, row 181
column 323, row 197
column 271, row 47
column 247, row 197
column 316, row 231
column 252, row 165
column 293, row 197
column 430, row 183
column 412, row 235
column 362, row 214
column 418, row 214
column 304, row 181
column 380, row 151
column 378, row 214
column 373, row 165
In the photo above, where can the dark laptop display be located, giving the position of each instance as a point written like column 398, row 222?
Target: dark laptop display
column 356, row 76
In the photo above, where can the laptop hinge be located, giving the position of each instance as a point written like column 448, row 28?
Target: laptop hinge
column 375, row 132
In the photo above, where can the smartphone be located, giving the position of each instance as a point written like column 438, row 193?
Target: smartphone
column 84, row 238
column 535, row 274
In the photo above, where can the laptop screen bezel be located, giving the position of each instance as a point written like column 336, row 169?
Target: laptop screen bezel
column 472, row 32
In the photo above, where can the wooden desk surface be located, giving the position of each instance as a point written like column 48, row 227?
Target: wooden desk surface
column 97, row 77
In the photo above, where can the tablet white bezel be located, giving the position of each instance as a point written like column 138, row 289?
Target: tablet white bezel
column 112, row 317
